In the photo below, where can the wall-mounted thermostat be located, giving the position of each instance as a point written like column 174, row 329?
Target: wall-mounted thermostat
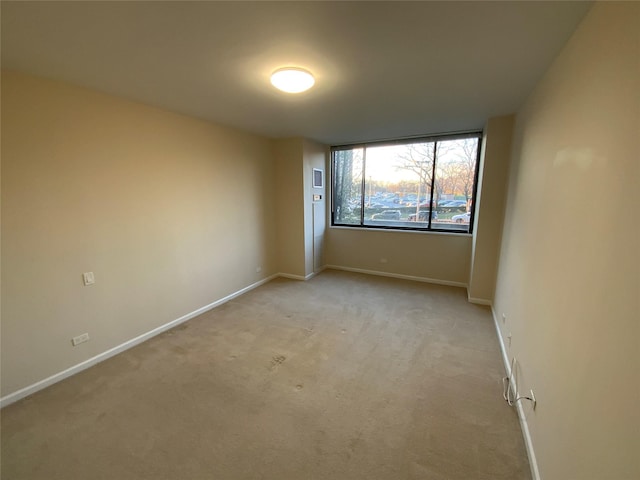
column 318, row 178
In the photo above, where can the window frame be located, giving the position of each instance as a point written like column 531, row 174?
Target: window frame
column 435, row 138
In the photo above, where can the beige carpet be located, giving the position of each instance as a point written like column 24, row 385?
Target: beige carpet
column 343, row 377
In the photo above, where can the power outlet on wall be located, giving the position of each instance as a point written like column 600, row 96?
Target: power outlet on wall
column 383, row 260
column 80, row 339
column 88, row 278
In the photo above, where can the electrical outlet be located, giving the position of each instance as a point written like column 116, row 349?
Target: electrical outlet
column 258, row 269
column 383, row 260
column 88, row 278
column 80, row 339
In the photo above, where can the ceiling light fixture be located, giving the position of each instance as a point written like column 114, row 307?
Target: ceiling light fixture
column 292, row 80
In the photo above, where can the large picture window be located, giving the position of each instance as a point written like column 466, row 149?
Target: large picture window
column 419, row 184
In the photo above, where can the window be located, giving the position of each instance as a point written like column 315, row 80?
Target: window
column 419, row 184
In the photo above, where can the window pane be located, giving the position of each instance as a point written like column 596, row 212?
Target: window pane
column 398, row 185
column 455, row 174
column 347, row 186
column 424, row 184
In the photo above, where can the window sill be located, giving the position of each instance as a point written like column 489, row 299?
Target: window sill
column 394, row 230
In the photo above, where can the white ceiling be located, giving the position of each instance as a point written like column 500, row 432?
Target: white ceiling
column 383, row 69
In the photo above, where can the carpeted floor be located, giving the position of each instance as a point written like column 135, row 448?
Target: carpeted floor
column 343, row 377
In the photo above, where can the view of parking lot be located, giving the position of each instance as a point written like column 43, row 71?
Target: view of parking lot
column 416, row 185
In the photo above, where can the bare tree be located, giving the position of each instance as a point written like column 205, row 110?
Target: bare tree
column 419, row 158
column 347, row 181
column 467, row 157
column 447, row 177
column 456, row 170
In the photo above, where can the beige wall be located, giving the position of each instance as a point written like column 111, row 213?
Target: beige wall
column 440, row 257
column 290, row 206
column 314, row 156
column 300, row 220
column 170, row 213
column 569, row 267
column 489, row 214
column 437, row 257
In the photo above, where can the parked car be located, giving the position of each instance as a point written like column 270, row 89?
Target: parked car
column 464, row 218
column 453, row 206
column 455, row 203
column 387, row 215
column 423, row 216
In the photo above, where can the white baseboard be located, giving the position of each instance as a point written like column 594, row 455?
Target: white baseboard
column 478, row 301
column 55, row 378
column 398, row 275
column 300, row 277
column 291, row 276
column 535, row 472
column 320, row 270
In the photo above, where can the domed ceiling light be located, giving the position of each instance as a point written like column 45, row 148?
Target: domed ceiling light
column 292, row 79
